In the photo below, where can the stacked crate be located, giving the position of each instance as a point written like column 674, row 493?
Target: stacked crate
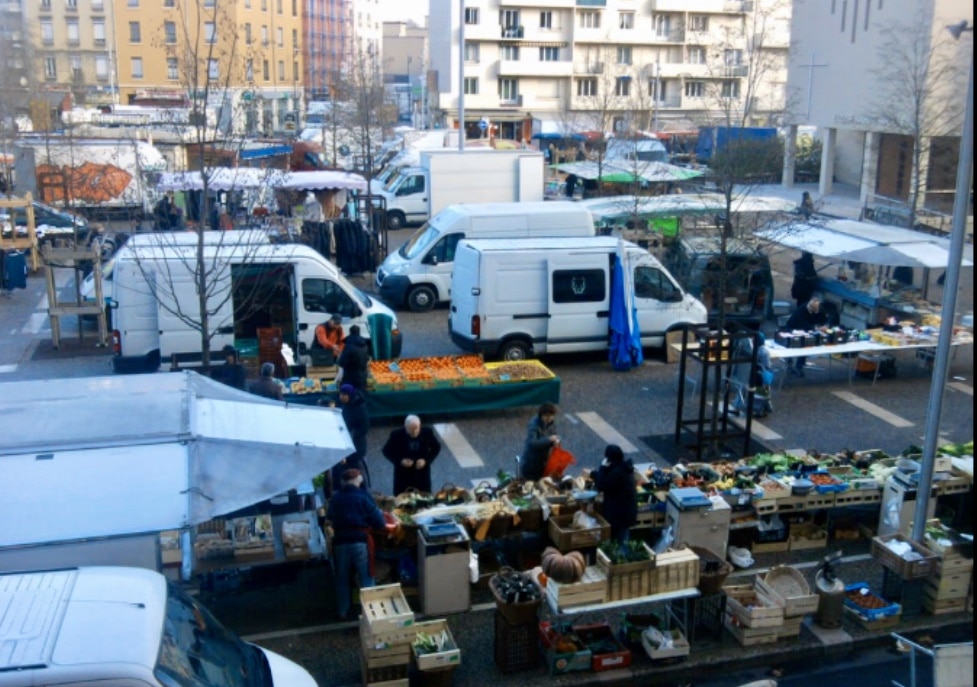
column 945, row 590
column 675, row 569
column 787, row 588
column 387, row 629
column 751, row 616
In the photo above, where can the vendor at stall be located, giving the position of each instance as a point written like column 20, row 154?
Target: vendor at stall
column 807, row 317
column 328, row 342
column 615, row 480
column 411, row 449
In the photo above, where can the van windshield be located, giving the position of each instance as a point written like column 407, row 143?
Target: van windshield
column 197, row 651
column 418, row 244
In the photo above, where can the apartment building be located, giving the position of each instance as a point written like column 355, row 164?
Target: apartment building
column 335, row 32
column 405, row 69
column 16, row 78
column 559, row 66
column 873, row 77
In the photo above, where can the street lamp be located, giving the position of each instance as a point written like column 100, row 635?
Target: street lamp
column 941, row 366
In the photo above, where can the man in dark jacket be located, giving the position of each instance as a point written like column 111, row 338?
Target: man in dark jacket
column 354, row 359
column 807, row 317
column 352, row 515
column 411, row 449
column 357, row 420
column 266, row 385
column 615, row 480
column 805, row 279
column 232, row 372
column 541, row 437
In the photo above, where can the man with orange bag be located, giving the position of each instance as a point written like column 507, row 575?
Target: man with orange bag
column 541, row 438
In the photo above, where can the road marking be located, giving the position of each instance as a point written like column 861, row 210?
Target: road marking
column 606, row 432
column 463, row 452
column 7, row 368
column 35, row 323
column 571, row 418
column 873, row 409
column 964, row 388
column 761, row 431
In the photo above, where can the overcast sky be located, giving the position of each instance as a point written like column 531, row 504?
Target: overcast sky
column 398, row 10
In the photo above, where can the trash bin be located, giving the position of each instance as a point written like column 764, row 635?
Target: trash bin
column 381, row 336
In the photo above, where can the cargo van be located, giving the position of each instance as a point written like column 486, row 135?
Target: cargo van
column 517, row 298
column 127, row 627
column 419, row 274
column 252, row 285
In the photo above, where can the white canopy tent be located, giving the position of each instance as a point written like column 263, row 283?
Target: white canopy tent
column 219, row 179
column 322, row 180
column 122, row 455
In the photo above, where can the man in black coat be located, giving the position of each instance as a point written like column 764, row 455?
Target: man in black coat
column 808, row 317
column 354, row 359
column 357, row 420
column 232, row 372
column 411, row 449
column 805, row 279
column 615, row 480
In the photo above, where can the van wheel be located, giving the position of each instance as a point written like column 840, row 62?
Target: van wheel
column 421, row 299
column 514, row 349
column 396, row 220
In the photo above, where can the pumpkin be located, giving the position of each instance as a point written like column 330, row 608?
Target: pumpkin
column 564, row 568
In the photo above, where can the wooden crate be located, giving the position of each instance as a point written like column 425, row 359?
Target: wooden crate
column 748, row 636
column 807, row 536
column 566, row 538
column 787, row 588
column 449, row 657
column 948, row 586
column 590, row 589
column 675, row 569
column 751, row 608
column 943, row 606
column 384, row 674
column 907, row 570
column 791, row 627
column 765, row 506
column 393, row 650
column 386, row 613
column 627, row 580
column 792, row 504
column 770, row 547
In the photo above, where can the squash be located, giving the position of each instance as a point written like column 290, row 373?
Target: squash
column 566, row 568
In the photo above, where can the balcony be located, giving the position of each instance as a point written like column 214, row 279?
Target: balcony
column 736, row 71
column 702, row 6
column 551, row 4
column 680, row 70
column 511, row 31
column 594, row 68
column 512, row 68
column 512, row 103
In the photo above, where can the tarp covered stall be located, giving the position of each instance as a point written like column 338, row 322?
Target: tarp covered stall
column 628, row 171
column 219, row 179
column 118, row 456
column 320, row 181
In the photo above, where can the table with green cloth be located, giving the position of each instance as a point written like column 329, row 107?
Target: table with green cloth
column 454, row 399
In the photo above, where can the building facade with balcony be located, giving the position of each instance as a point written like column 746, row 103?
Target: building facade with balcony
column 405, row 69
column 16, row 77
column 561, row 66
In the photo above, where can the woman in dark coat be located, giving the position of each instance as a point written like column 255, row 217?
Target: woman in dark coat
column 615, row 480
column 357, row 421
column 411, row 449
column 541, row 437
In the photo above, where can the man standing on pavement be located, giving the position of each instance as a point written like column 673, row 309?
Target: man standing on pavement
column 412, row 449
column 354, row 359
column 806, row 318
column 352, row 516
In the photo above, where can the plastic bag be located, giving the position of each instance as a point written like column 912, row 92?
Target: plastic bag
column 560, row 459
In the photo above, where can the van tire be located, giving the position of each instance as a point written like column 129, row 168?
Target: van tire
column 396, row 220
column 515, row 349
column 422, row 298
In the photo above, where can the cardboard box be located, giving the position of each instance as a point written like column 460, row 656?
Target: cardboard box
column 598, row 638
column 558, row 661
column 450, row 654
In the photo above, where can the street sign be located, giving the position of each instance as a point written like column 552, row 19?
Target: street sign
column 483, row 124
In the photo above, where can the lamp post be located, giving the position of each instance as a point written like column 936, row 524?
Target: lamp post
column 941, row 366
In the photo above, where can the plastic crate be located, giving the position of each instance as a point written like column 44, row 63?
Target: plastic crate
column 516, row 646
column 883, row 610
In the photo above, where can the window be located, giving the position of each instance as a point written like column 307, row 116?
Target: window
column 46, row 5
column 579, row 286
column 587, row 88
column 732, row 58
column 265, row 70
column 295, row 71
column 264, row 35
column 295, row 38
column 75, row 61
column 625, row 20
column 698, row 22
column 47, row 33
column 281, row 70
column 663, row 25
column 471, row 16
column 135, row 33
column 169, row 4
column 590, row 20
column 622, row 86
column 135, row 67
column 101, row 67
column 98, row 6
column 731, row 89
column 281, row 37
column 132, row 3
column 471, row 85
column 650, row 282
column 697, row 54
column 249, row 70
column 278, row 6
column 326, row 296
column 210, row 32
column 50, row 68
column 471, row 52
column 411, row 185
column 510, row 19
column 247, row 4
column 546, row 20
column 295, row 8
column 549, row 54
column 169, row 31
column 98, row 31
column 210, row 4
column 73, row 37
column 264, row 5
column 657, row 88
column 508, row 90
column 172, row 69
column 509, row 53
column 247, row 33
column 71, row 4
column 695, row 89
column 213, row 69
column 624, row 54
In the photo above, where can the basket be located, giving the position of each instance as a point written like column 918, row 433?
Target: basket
column 713, row 571
column 520, row 613
column 787, row 586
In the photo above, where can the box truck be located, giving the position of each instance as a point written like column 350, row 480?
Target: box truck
column 89, row 626
column 251, row 285
column 517, row 298
column 419, row 273
column 447, row 177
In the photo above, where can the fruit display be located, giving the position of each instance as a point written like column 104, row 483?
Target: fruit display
column 521, row 371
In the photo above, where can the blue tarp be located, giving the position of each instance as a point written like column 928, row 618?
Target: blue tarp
column 625, row 344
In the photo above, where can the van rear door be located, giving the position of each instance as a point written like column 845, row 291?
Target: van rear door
column 579, row 303
column 177, row 303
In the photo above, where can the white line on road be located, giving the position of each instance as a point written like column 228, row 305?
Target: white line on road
column 7, row 368
column 873, row 409
column 463, row 452
column 606, row 432
column 964, row 388
column 569, row 417
column 35, row 323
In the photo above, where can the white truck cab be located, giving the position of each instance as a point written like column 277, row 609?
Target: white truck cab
column 126, row 627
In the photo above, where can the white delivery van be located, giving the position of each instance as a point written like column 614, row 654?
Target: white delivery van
column 419, row 273
column 125, row 627
column 517, row 298
column 251, row 285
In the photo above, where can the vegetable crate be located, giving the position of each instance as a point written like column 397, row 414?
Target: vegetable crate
column 386, row 613
column 608, row 652
column 566, row 538
column 860, row 600
column 679, row 646
column 564, row 651
column 590, row 589
column 675, row 569
column 627, row 580
column 448, row 655
column 516, row 645
column 787, row 587
column 881, row 623
column 751, row 608
column 750, row 636
column 906, row 569
column 807, row 536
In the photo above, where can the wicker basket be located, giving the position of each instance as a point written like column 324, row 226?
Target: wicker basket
column 787, row 586
column 713, row 571
column 521, row 613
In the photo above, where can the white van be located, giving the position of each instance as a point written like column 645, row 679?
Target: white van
column 419, row 274
column 126, row 627
column 251, row 286
column 514, row 299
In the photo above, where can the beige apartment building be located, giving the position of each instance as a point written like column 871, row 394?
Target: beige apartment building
column 534, row 67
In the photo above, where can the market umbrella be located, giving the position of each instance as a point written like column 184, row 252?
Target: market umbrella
column 627, row 172
column 625, row 338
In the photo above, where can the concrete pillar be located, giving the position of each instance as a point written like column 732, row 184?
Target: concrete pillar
column 790, row 157
column 870, row 167
column 827, row 161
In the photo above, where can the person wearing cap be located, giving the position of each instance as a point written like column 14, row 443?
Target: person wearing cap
column 354, row 359
column 411, row 449
column 328, row 341
column 615, row 480
column 266, row 385
column 357, row 421
column 352, row 516
column 232, row 372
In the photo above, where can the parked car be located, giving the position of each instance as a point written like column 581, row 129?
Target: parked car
column 49, row 222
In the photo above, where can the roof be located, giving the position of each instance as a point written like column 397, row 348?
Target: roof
column 612, row 207
column 504, row 209
column 598, row 244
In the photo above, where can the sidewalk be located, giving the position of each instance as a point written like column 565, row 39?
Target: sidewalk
column 843, row 201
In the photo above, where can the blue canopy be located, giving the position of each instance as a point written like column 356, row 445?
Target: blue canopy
column 625, row 343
